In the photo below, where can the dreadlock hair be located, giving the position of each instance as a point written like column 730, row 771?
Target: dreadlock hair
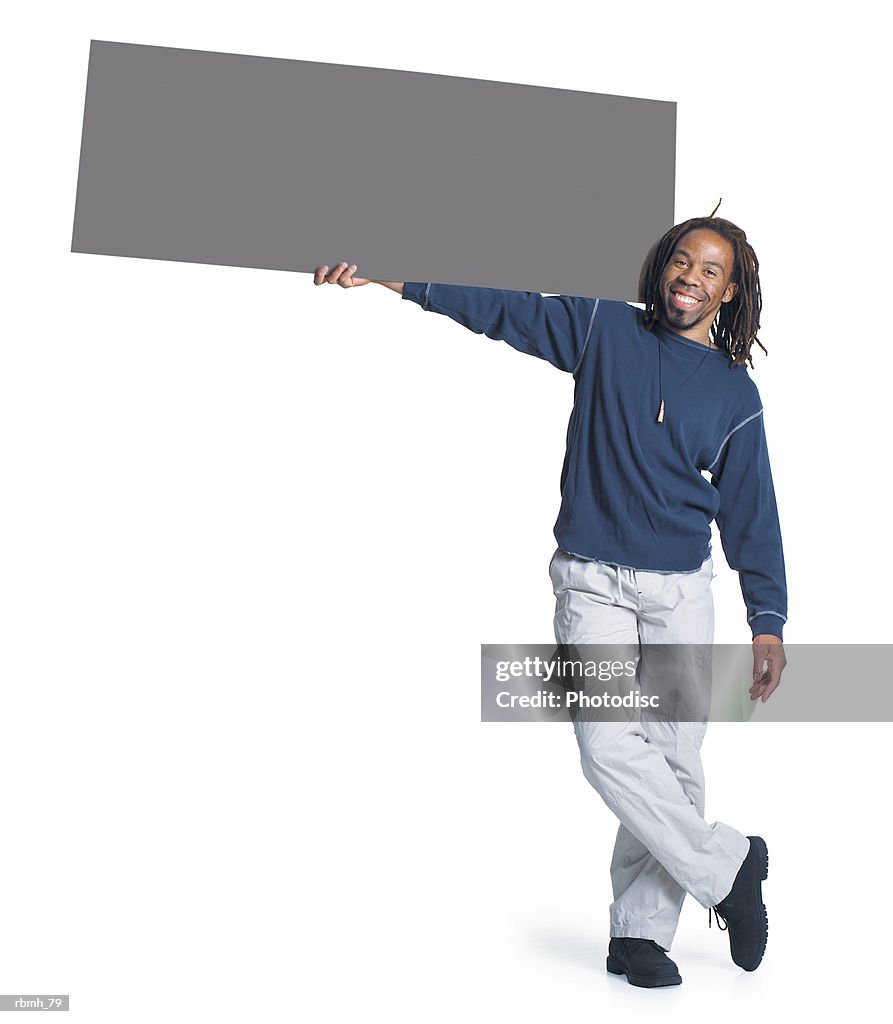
column 738, row 321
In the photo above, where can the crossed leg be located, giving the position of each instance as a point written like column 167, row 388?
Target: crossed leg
column 648, row 771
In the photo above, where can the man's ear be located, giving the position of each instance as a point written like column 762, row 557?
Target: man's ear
column 730, row 292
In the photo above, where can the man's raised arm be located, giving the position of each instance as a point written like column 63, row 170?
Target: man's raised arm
column 554, row 327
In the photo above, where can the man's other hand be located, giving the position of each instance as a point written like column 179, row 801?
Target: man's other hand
column 768, row 650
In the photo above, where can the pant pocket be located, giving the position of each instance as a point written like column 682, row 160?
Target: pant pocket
column 558, row 551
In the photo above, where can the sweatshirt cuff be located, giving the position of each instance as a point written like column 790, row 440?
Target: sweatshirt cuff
column 416, row 291
column 767, row 622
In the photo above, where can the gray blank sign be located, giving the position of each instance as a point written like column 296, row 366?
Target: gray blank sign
column 286, row 164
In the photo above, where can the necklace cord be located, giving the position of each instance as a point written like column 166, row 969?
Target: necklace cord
column 660, row 378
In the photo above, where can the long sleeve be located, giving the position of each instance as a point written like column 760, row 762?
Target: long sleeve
column 555, row 327
column 748, row 523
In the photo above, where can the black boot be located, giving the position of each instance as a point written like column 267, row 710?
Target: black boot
column 743, row 910
column 644, row 963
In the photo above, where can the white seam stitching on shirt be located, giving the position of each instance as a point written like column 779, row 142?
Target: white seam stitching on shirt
column 732, row 431
column 588, row 333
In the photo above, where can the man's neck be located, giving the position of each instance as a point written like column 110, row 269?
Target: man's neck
column 701, row 337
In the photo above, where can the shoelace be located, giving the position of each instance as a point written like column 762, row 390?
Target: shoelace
column 712, row 913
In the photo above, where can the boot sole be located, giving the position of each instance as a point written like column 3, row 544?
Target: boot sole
column 762, row 853
column 616, row 967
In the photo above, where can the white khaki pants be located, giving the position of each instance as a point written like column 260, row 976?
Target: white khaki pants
column 648, row 772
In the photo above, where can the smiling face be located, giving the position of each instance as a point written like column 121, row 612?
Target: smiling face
column 696, row 281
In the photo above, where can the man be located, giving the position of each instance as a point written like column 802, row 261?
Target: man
column 660, row 396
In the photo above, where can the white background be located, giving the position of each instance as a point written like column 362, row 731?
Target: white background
column 253, row 534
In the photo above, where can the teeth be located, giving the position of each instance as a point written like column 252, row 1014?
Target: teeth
column 685, row 298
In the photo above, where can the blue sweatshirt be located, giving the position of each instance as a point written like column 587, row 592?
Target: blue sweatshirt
column 632, row 489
